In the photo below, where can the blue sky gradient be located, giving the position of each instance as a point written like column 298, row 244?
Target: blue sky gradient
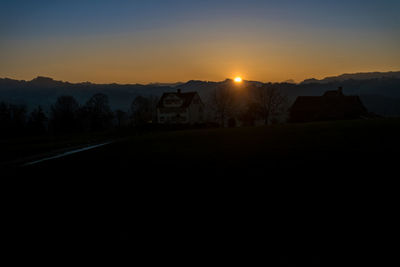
column 288, row 34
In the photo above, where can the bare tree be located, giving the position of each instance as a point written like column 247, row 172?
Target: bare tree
column 64, row 114
column 121, row 116
column 269, row 101
column 221, row 102
column 37, row 121
column 12, row 119
column 97, row 112
column 144, row 109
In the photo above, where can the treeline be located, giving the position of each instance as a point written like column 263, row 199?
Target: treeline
column 67, row 116
column 227, row 105
column 263, row 103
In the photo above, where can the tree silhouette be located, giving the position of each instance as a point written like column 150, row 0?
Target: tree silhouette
column 5, row 119
column 121, row 117
column 97, row 113
column 221, row 102
column 269, row 101
column 64, row 114
column 37, row 121
column 18, row 117
column 249, row 114
column 12, row 119
column 143, row 110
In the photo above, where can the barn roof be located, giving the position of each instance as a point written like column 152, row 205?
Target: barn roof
column 332, row 105
column 326, row 102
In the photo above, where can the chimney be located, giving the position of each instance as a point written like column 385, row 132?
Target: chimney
column 179, row 91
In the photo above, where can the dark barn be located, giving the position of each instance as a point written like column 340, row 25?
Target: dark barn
column 333, row 105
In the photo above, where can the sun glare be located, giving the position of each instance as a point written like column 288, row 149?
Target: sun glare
column 238, row 79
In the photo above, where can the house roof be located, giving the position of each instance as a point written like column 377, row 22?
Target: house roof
column 186, row 97
column 326, row 102
column 334, row 93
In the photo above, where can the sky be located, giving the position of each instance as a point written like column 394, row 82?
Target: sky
column 143, row 41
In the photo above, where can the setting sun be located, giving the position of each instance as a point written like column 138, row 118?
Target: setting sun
column 238, row 79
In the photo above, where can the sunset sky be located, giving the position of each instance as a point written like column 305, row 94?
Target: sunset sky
column 142, row 41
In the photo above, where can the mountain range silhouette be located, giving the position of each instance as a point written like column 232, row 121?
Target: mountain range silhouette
column 380, row 91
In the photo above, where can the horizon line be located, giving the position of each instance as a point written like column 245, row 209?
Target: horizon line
column 181, row 82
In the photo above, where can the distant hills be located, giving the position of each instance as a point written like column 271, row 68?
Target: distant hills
column 357, row 76
column 44, row 91
column 380, row 91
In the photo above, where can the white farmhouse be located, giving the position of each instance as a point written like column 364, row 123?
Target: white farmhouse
column 178, row 107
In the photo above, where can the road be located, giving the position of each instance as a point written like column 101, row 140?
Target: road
column 64, row 154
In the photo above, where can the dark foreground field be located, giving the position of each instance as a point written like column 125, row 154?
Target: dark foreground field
column 301, row 193
column 252, row 152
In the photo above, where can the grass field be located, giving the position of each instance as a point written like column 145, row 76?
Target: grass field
column 253, row 151
column 299, row 189
column 281, row 146
column 19, row 149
